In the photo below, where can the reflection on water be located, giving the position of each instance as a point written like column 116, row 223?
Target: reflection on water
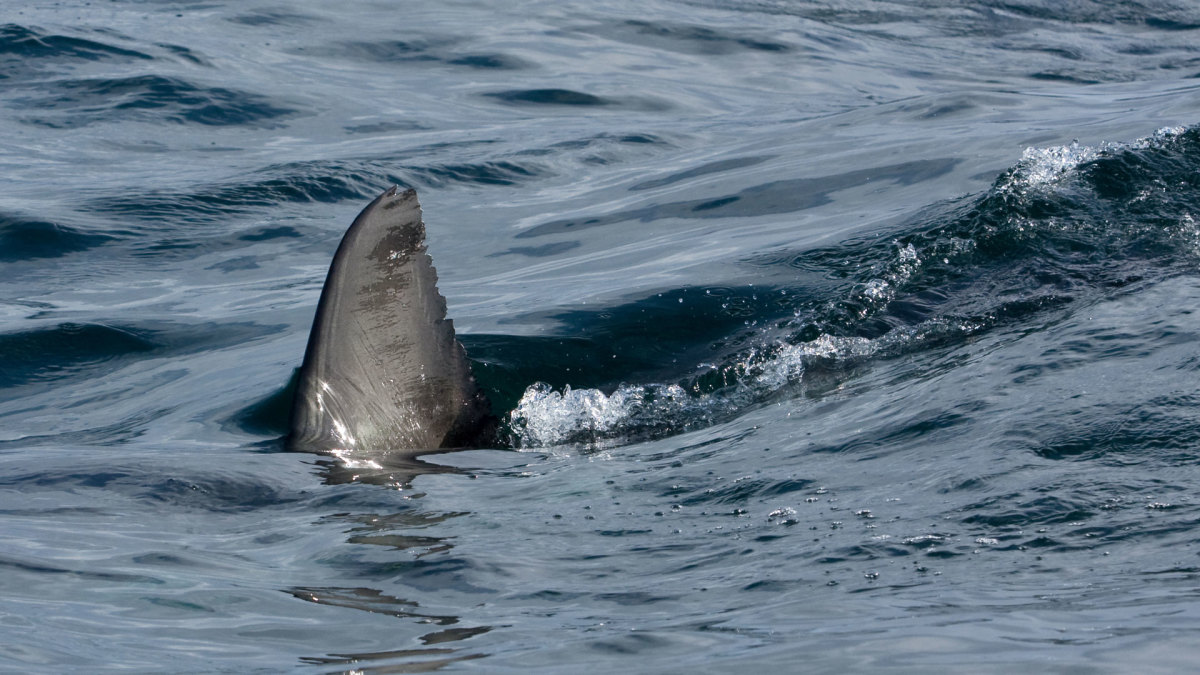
column 375, row 662
column 394, row 532
column 396, row 470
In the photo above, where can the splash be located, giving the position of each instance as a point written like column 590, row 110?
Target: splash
column 892, row 275
column 545, row 417
column 1042, row 167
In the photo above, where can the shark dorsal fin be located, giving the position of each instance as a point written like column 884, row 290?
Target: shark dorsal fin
column 383, row 371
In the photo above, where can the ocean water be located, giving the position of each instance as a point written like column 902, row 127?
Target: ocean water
column 828, row 336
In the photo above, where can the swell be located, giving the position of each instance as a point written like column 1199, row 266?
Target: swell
column 1025, row 42
column 355, row 179
column 686, row 38
column 26, row 239
column 21, row 43
column 308, row 182
column 1063, row 227
column 427, row 51
column 74, row 351
column 74, row 103
column 777, row 197
column 29, row 57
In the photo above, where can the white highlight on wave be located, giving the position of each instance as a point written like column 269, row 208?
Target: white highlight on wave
column 1046, row 166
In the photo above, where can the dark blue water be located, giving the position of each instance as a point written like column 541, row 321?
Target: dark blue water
column 837, row 337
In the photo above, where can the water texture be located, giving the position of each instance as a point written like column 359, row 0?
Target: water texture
column 858, row 335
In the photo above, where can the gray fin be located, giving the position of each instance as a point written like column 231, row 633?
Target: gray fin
column 383, row 371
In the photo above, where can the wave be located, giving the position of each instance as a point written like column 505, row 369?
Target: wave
column 75, row 103
column 1064, row 226
column 74, row 351
column 25, row 43
column 685, row 38
column 429, row 51
column 326, row 181
column 776, row 197
column 27, row 239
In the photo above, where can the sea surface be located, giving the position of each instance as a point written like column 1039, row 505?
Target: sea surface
column 843, row 336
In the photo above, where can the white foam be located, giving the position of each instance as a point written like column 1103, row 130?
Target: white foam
column 1040, row 167
column 545, row 417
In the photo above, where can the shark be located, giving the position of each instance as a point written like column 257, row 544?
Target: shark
column 384, row 372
